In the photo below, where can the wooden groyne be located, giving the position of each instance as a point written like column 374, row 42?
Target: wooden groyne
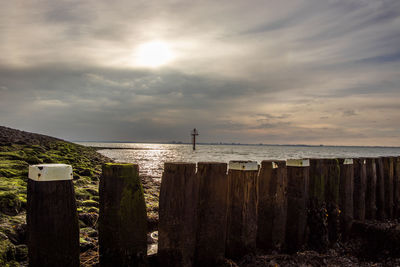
column 370, row 193
column 122, row 219
column 346, row 196
column 212, row 211
column 272, row 205
column 298, row 172
column 52, row 219
column 178, row 214
column 359, row 188
column 305, row 203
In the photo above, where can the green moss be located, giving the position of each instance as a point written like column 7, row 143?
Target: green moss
column 16, row 158
column 85, row 172
column 82, row 181
column 7, row 253
column 10, row 203
column 82, row 194
column 32, row 159
column 10, row 172
column 21, row 253
column 132, row 205
column 14, row 162
column 93, row 209
column 119, row 165
column 13, row 155
column 88, row 231
column 90, row 203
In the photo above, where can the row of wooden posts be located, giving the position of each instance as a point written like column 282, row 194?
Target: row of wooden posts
column 53, row 226
column 207, row 213
column 212, row 214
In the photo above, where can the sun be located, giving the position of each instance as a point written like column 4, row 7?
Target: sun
column 153, row 54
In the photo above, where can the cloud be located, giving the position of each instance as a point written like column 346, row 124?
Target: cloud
column 270, row 116
column 350, row 112
column 280, row 72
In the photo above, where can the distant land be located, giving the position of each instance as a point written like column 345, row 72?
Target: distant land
column 226, row 143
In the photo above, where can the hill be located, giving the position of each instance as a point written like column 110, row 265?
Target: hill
column 19, row 149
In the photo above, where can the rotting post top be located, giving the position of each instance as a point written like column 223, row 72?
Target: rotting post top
column 298, row 162
column 50, row 172
column 347, row 161
column 243, row 165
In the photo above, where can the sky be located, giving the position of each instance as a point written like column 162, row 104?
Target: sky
column 273, row 72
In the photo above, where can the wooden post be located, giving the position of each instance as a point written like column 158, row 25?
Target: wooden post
column 297, row 196
column 317, row 182
column 53, row 229
column 122, row 219
column 194, row 133
column 380, row 190
column 360, row 187
column 317, row 215
column 332, row 193
column 388, row 182
column 396, row 187
column 177, row 215
column 242, row 208
column 346, row 202
column 212, row 213
column 272, row 205
column 370, row 194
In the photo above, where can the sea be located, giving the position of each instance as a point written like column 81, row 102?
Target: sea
column 151, row 157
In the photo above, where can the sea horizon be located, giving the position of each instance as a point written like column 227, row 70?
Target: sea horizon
column 152, row 156
column 228, row 143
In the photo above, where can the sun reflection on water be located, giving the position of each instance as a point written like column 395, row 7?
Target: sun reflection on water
column 151, row 157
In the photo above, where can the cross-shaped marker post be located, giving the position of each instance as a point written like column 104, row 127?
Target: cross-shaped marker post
column 194, row 133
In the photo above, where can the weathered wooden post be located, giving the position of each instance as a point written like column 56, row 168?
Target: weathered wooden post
column 194, row 133
column 211, row 213
column 177, row 215
column 317, row 215
column 242, row 208
column 297, row 196
column 380, row 189
column 332, row 193
column 53, row 229
column 396, row 187
column 122, row 220
column 360, row 187
column 370, row 194
column 346, row 187
column 272, row 205
column 388, row 182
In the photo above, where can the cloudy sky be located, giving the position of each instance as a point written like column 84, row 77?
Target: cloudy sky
column 309, row 72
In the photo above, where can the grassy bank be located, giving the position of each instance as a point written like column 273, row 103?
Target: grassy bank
column 20, row 149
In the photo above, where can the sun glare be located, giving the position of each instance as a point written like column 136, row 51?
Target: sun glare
column 153, row 54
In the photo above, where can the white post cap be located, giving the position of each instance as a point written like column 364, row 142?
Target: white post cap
column 50, row 172
column 298, row 162
column 243, row 165
column 347, row 161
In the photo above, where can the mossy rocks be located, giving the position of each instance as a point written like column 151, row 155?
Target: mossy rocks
column 10, row 203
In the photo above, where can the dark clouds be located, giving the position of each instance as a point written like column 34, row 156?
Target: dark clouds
column 272, row 72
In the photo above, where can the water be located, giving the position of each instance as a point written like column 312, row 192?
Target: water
column 151, row 157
